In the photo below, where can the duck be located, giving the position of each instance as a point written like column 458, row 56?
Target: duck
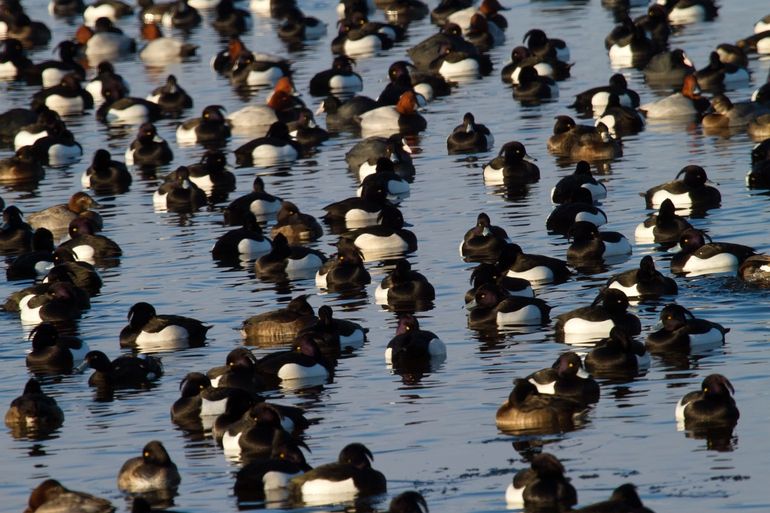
column 180, row 14
column 148, row 329
column 440, row 13
column 45, row 121
column 123, row 372
column 68, row 97
column 754, row 270
column 358, row 212
column 565, row 134
column 401, row 81
column 31, row 33
column 13, row 121
column 52, row 351
column 490, row 9
column 239, row 372
column 258, row 202
column 15, row 234
column 61, row 302
column 404, row 286
column 595, row 145
column 200, row 401
column 758, row 42
column 362, row 157
column 567, row 377
column 37, row 261
column 685, row 103
column 387, row 120
column 413, row 347
column 306, row 132
column 644, row 282
column 148, row 149
column 111, row 9
column 104, row 41
column 58, row 217
column 696, row 256
column 350, row 476
column 623, row 498
column 688, row 11
column 87, row 246
column 295, row 225
column 58, row 148
column 469, row 137
column 304, row 362
column 608, row 310
column 65, row 7
column 727, row 114
column 229, row 19
column 542, row 486
column 23, row 167
column 456, row 65
column 665, row 227
column 106, row 76
column 617, row 356
column 51, row 495
column 105, row 175
column 33, row 413
column 668, row 68
column 284, row 323
column 492, row 305
column 14, row 61
column 711, row 406
column 545, row 66
column 539, row 269
column 483, row 34
column 512, row 165
column 580, row 178
column 276, row 147
column 344, row 270
column 51, row 73
column 298, row 27
column 760, row 152
column 494, row 274
column 152, row 471
column 528, row 411
column 541, row 45
column 590, row 245
column 333, row 335
column 385, row 176
column 578, row 208
column 483, row 242
column 179, row 194
column 680, row 331
column 252, row 68
column 532, row 88
column 342, row 115
column 692, row 191
column 171, row 98
column 245, row 242
column 386, row 239
column 260, row 478
column 211, row 128
column 359, row 37
column 160, row 50
column 620, row 120
column 632, row 49
column 210, row 173
column 279, row 107
column 595, row 99
column 285, row 260
column 718, row 75
column 80, row 273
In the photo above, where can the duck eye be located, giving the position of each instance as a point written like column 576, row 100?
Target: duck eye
column 146, row 454
column 206, row 115
column 571, row 364
column 282, row 456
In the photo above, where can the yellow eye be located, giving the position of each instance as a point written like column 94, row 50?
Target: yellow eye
column 282, row 456
column 146, row 454
column 206, row 116
column 571, row 365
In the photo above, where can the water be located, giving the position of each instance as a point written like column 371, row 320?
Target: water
column 435, row 433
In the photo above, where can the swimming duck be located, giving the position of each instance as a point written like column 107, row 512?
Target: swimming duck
column 512, row 165
column 14, row 120
column 245, row 242
column 238, row 372
column 146, row 328
column 727, row 114
column 179, row 194
column 58, row 147
column 545, row 66
column 45, row 122
column 717, row 75
column 260, row 479
column 412, row 347
column 358, row 212
column 483, row 242
column 696, row 256
column 24, row 166
column 681, row 331
column 68, row 97
column 333, row 335
column 469, row 137
column 15, row 234
column 62, row 301
column 304, row 362
column 284, row 323
column 106, row 77
column 255, row 68
column 279, row 107
column 362, row 157
column 578, row 208
column 276, row 147
column 691, row 191
column 689, row 11
column 358, row 36
column 65, row 7
column 152, row 471
column 664, row 227
column 210, row 174
column 494, row 274
column 595, row 145
column 296, row 226
column 14, row 61
column 104, row 41
column 684, row 103
column 199, row 401
column 298, row 27
column 148, row 149
column 608, row 310
column 35, row 263
column 404, row 286
column 758, row 42
column 344, row 270
column 111, row 9
column 386, row 177
column 350, row 476
column 105, row 175
column 620, row 120
column 490, row 9
column 542, row 486
column 306, row 132
column 170, row 97
column 386, row 239
column 630, row 47
column 386, row 120
column 80, row 273
column 711, row 406
column 644, row 282
column 617, row 356
column 528, row 411
column 568, row 378
column 754, row 270
column 57, row 218
column 623, row 498
column 534, row 268
column 258, row 202
column 124, row 371
column 492, row 305
column 589, row 245
column 161, row 50
column 596, row 98
column 51, row 495
column 229, row 19
column 31, row 33
column 87, row 246
column 440, row 13
column 211, row 128
column 565, row 134
column 580, row 178
column 52, row 352
column 759, row 127
column 455, row 64
column 343, row 115
column 541, row 45
column 33, row 413
column 50, row 73
column 668, row 68
column 531, row 87
column 285, row 260
column 427, row 51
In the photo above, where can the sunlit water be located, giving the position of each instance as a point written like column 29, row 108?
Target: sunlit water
column 434, row 433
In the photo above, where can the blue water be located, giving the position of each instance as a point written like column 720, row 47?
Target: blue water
column 436, row 434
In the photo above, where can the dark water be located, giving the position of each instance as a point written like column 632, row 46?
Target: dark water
column 436, row 434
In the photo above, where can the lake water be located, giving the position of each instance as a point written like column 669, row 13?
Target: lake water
column 435, row 434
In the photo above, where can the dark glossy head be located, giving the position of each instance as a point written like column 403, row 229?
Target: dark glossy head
column 155, row 454
column 408, row 502
column 356, row 454
column 406, row 324
column 300, row 305
column 140, row 314
column 694, row 176
column 193, row 383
